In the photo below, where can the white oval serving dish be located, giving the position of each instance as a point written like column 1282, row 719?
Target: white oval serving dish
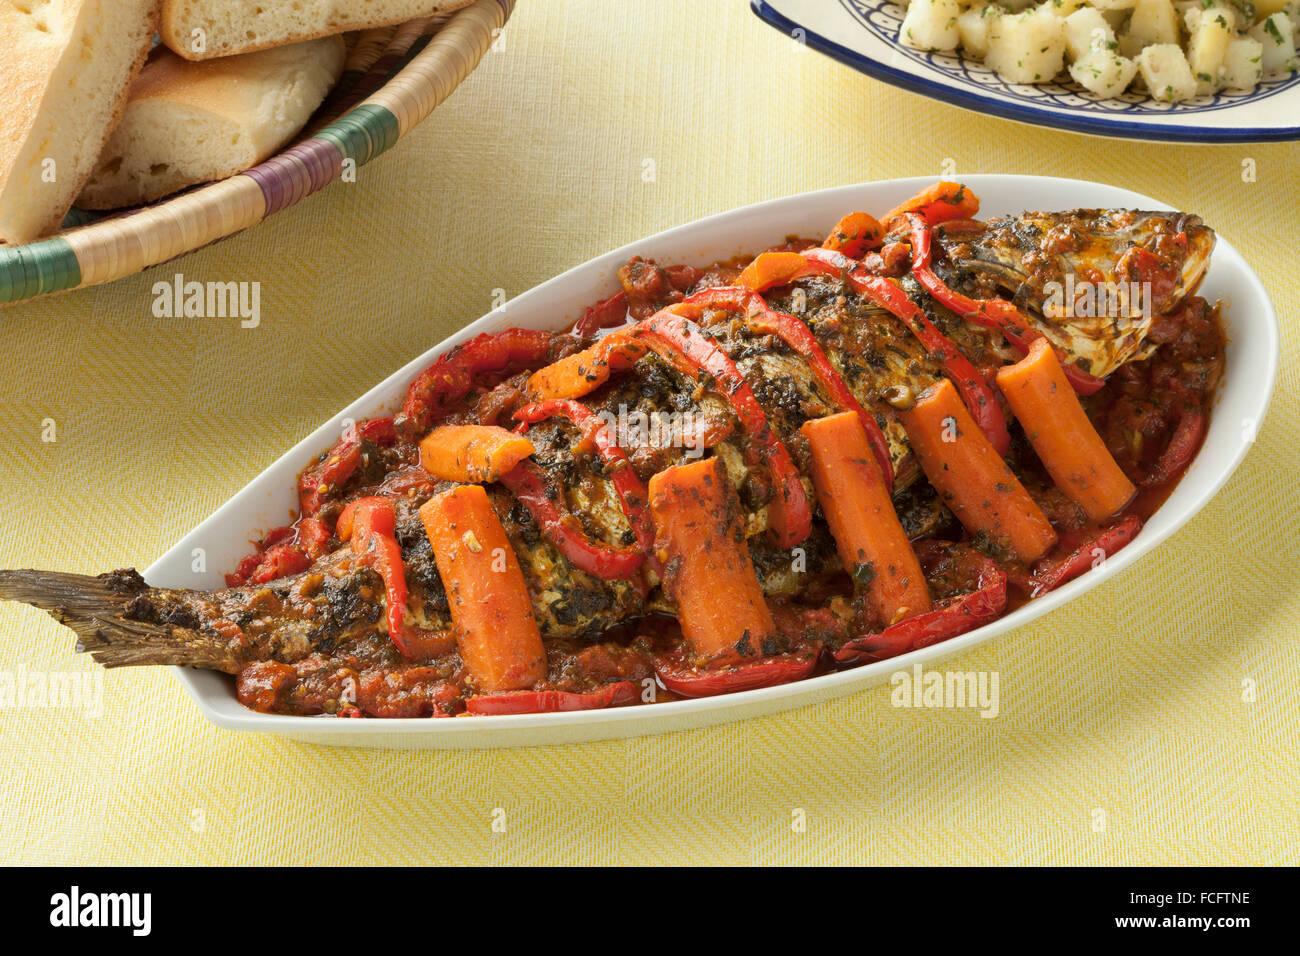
column 1252, row 356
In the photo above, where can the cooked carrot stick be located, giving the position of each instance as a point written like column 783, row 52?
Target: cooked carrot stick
column 472, row 452
column 771, row 269
column 860, row 512
column 855, row 234
column 491, row 610
column 585, row 371
column 700, row 540
column 1066, row 441
column 971, row 477
column 938, row 203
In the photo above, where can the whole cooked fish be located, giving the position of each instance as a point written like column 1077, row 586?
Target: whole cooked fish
column 314, row 641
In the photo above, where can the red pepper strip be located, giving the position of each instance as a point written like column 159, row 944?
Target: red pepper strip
column 312, row 536
column 279, row 561
column 947, row 620
column 603, row 315
column 990, row 313
column 277, row 535
column 1182, row 445
column 680, row 340
column 379, row 431
column 282, row 552
column 795, row 333
column 686, row 681
column 938, row 203
column 246, row 568
column 450, row 378
column 340, row 463
column 1049, row 573
column 632, row 494
column 528, row 483
column 549, row 701
column 374, row 542
column 974, row 390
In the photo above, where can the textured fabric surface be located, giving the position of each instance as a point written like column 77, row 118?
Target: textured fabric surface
column 1154, row 720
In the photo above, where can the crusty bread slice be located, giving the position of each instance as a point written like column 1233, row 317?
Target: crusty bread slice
column 67, row 66
column 203, row 29
column 188, row 123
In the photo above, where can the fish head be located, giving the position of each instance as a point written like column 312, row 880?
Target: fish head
column 1093, row 280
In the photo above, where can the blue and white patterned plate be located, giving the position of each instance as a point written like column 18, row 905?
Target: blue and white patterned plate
column 865, row 35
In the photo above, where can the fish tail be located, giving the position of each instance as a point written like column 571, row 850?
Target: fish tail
column 119, row 620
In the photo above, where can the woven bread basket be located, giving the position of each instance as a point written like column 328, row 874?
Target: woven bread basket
column 393, row 79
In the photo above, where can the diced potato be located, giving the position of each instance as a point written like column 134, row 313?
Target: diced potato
column 973, row 25
column 1172, row 49
column 1085, row 30
column 932, row 25
column 1153, row 21
column 1103, row 72
column 1241, row 64
column 1165, row 71
column 1027, row 47
column 1198, row 14
column 1277, row 39
column 1206, row 50
column 1184, row 7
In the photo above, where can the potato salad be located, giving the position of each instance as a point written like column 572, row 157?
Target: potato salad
column 1172, row 50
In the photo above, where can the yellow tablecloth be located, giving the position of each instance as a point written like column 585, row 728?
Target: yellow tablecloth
column 1155, row 720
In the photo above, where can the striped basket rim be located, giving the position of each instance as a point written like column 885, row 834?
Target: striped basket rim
column 394, row 78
